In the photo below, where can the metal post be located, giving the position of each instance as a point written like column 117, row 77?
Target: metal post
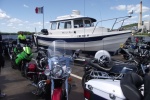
column 43, row 17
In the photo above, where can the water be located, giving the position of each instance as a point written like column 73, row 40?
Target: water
column 13, row 36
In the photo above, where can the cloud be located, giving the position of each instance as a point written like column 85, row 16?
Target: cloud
column 47, row 22
column 14, row 27
column 146, row 16
column 38, row 23
column 134, row 17
column 3, row 23
column 26, row 21
column 14, row 20
column 126, row 22
column 26, row 6
column 10, row 24
column 129, row 8
column 119, row 7
column 20, row 24
column 3, row 15
column 136, row 8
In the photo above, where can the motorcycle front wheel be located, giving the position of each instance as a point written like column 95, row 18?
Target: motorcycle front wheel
column 13, row 65
column 86, row 77
column 22, row 69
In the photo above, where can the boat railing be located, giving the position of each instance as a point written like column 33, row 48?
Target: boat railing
column 116, row 21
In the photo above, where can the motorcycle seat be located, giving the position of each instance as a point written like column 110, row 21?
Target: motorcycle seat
column 94, row 63
column 113, row 67
column 147, row 87
column 130, row 85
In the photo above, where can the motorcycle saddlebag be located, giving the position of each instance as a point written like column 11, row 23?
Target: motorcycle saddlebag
column 104, row 89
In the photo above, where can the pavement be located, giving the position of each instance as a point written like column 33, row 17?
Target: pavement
column 17, row 87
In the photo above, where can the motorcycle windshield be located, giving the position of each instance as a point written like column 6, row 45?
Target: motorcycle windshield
column 59, row 48
column 59, row 58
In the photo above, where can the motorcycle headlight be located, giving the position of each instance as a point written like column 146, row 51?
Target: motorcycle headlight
column 57, row 71
column 47, row 72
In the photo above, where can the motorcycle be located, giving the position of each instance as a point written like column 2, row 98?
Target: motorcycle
column 103, row 67
column 15, row 51
column 21, row 60
column 8, row 46
column 57, row 86
column 134, row 49
column 35, row 71
column 131, row 87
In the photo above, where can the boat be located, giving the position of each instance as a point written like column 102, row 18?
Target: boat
column 83, row 33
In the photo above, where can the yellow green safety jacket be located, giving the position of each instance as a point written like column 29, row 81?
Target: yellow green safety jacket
column 21, row 37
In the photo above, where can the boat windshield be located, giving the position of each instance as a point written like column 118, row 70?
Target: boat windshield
column 79, row 23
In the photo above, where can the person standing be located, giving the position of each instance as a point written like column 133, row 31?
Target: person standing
column 2, row 62
column 22, row 38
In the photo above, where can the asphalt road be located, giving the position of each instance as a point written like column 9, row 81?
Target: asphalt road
column 19, row 88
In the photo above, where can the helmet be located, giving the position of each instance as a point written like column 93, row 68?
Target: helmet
column 27, row 50
column 103, row 57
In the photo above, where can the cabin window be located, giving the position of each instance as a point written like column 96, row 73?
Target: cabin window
column 78, row 23
column 64, row 25
column 87, row 23
column 53, row 26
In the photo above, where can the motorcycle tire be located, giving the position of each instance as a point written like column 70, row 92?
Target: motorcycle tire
column 26, row 72
column 9, row 53
column 22, row 70
column 63, row 96
column 47, row 95
column 35, row 79
column 13, row 65
column 86, row 77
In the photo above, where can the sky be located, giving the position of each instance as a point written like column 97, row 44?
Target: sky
column 19, row 15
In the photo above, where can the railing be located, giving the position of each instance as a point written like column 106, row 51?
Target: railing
column 126, row 17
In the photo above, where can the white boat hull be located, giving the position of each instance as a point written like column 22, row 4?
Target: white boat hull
column 109, row 43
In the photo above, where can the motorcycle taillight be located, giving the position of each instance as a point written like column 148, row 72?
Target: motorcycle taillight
column 87, row 94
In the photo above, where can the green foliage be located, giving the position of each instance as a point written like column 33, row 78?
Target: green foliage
column 142, row 34
column 130, row 25
column 25, row 32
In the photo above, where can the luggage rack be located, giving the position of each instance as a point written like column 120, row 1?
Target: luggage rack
column 104, row 75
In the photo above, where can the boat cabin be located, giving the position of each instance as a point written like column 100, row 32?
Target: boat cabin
column 74, row 23
column 79, row 22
